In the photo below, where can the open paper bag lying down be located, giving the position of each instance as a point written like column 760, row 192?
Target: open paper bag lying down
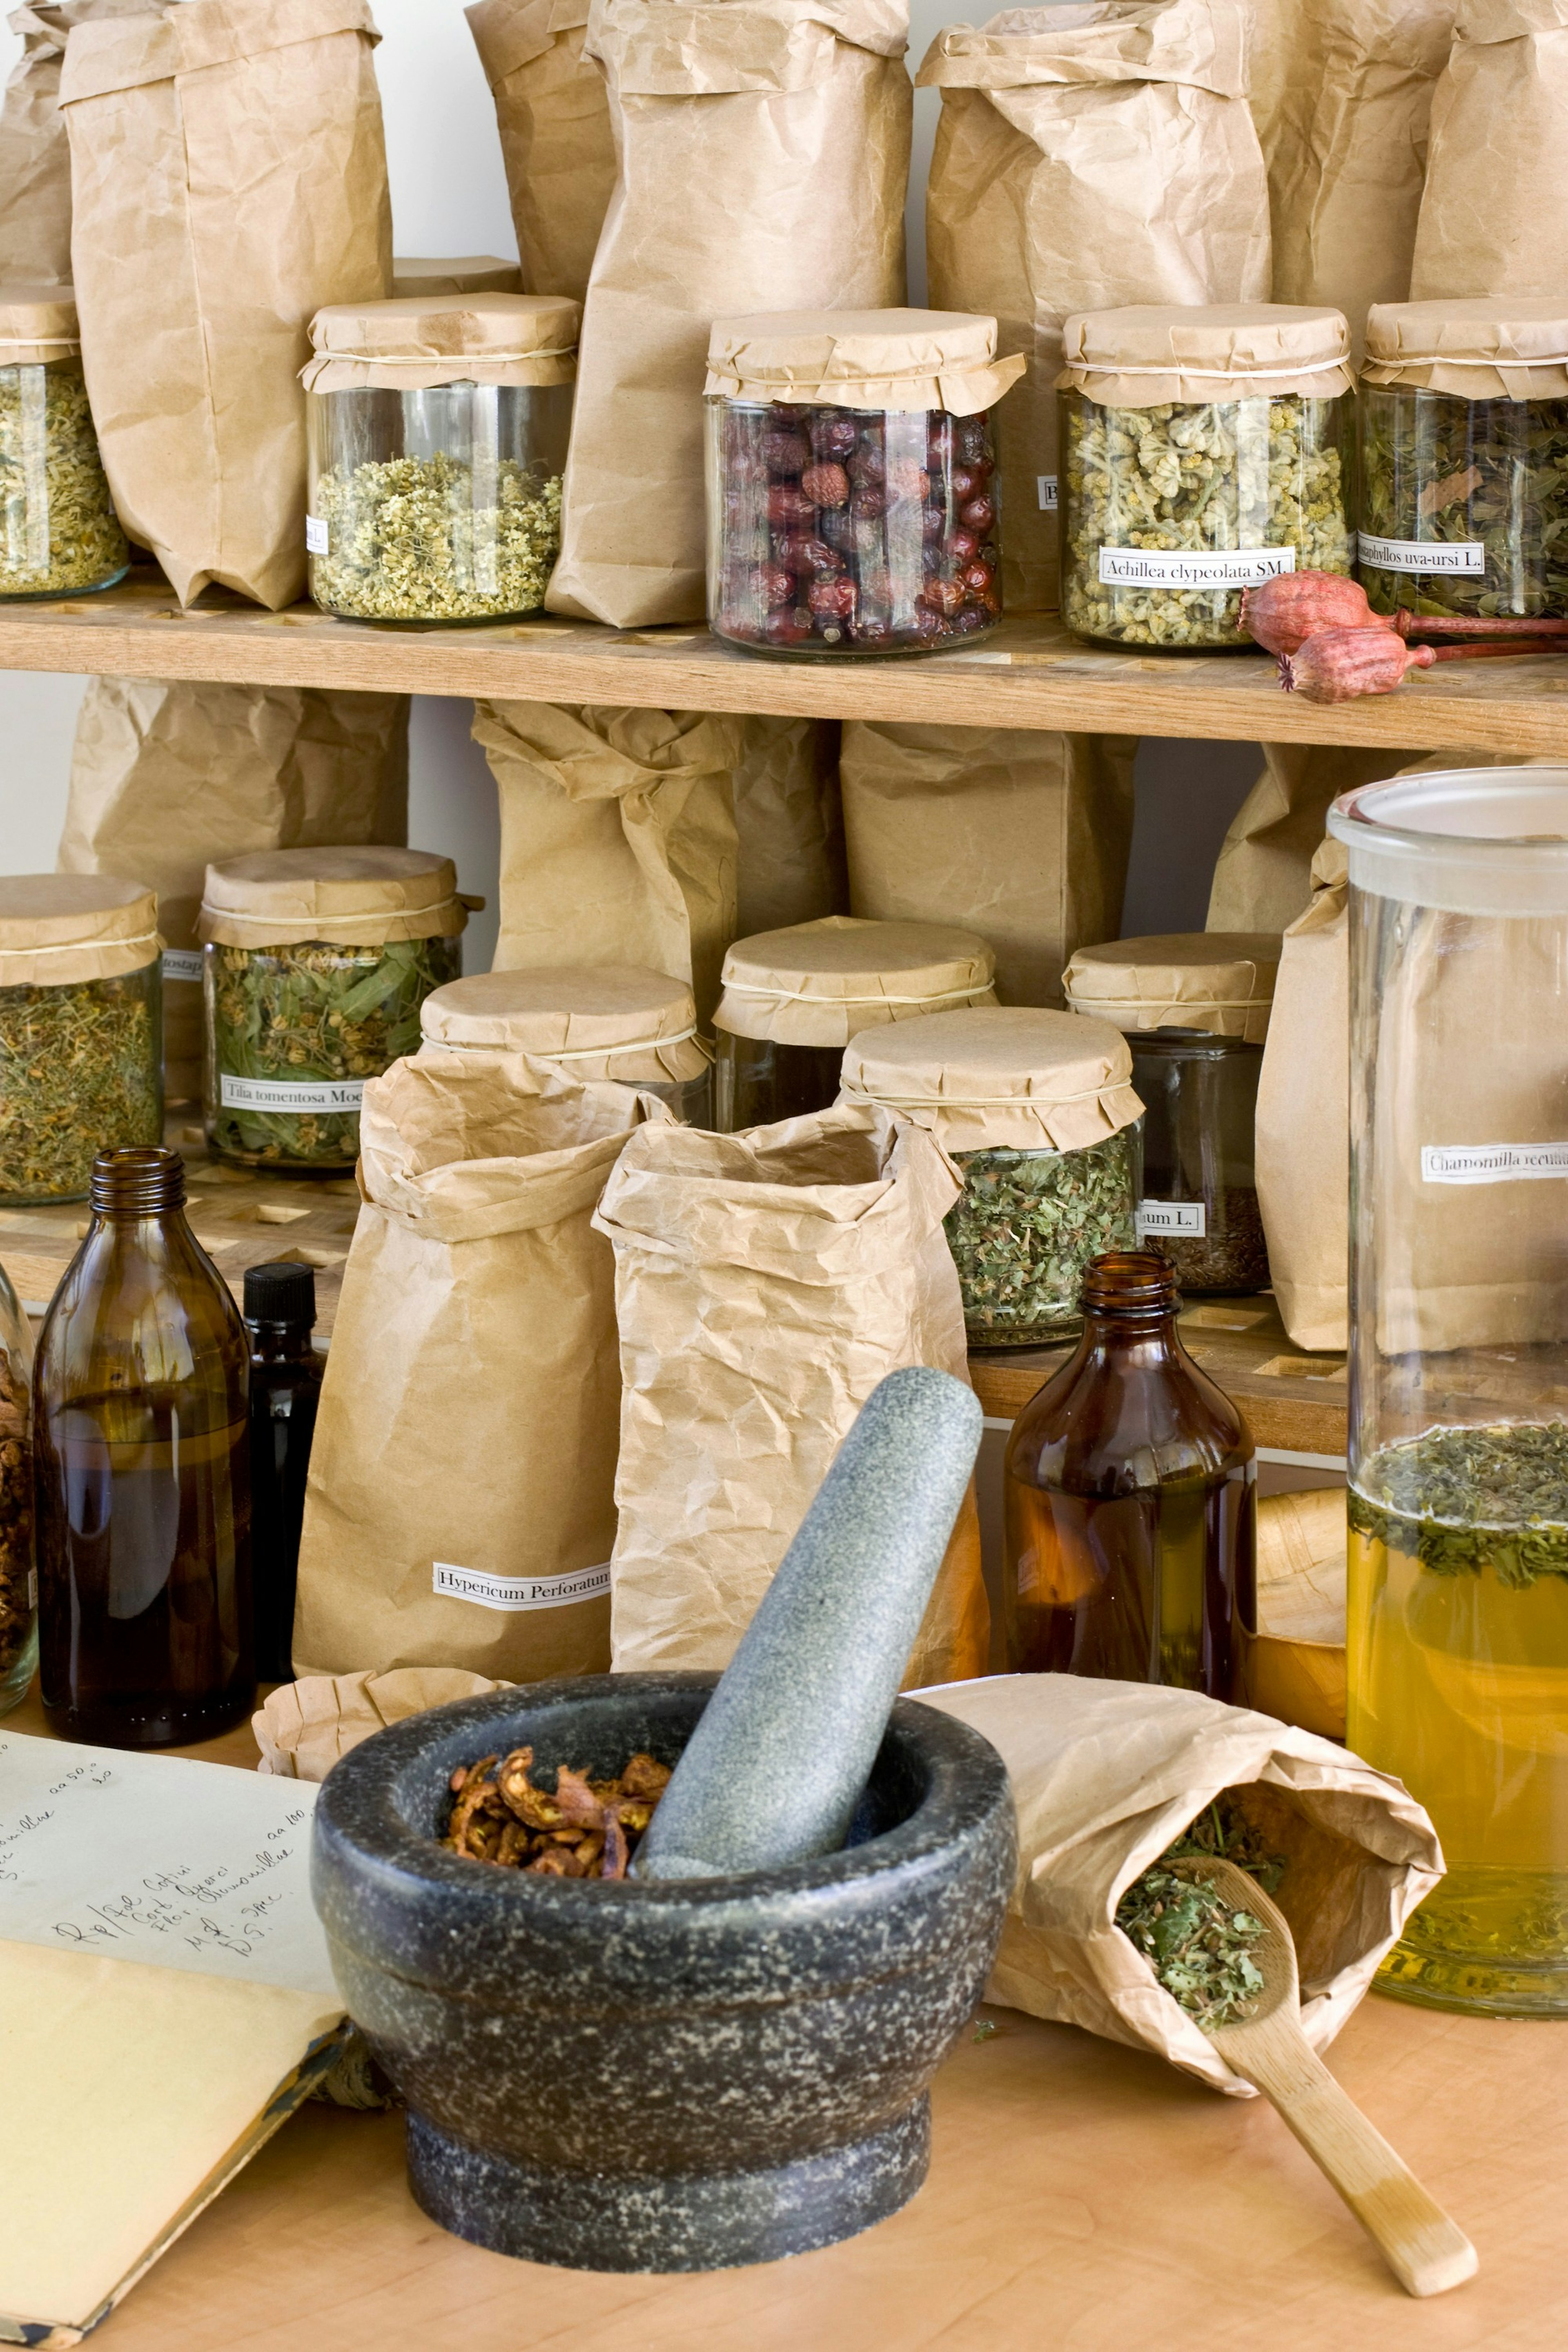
column 1106, row 1775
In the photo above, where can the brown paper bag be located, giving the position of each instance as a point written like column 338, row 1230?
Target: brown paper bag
column 1106, row 1775
column 459, row 1510
column 1494, row 211
column 1086, row 159
column 1019, row 835
column 555, row 135
column 302, row 1727
column 765, row 1283
column 764, row 152
column 35, row 154
column 618, row 840
column 229, row 177
column 1263, row 876
column 1341, row 95
column 166, row 779
column 789, row 824
column 1303, row 1116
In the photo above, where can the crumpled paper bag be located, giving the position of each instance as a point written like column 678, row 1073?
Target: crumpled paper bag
column 1494, row 210
column 305, row 1726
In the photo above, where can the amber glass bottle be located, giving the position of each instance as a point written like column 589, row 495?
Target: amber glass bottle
column 285, row 1390
column 1131, row 1514
column 143, row 1493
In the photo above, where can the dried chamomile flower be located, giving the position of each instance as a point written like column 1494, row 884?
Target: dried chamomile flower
column 431, row 539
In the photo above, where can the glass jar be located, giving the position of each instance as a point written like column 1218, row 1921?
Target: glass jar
column 80, row 1029
column 794, row 998
column 60, row 535
column 1457, row 1658
column 437, row 444
column 1037, row 1110
column 853, row 502
column 1464, row 458
column 1199, row 1205
column 1203, row 451
column 1129, row 1502
column 617, row 1023
column 19, row 1583
column 316, row 964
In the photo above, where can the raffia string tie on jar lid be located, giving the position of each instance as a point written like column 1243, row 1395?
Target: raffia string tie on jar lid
column 619, row 1022
column 1219, row 981
column 1000, row 1077
column 899, row 360
column 413, row 342
column 820, row 984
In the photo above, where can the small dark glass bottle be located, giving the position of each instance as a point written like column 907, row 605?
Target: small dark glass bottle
column 143, row 1493
column 285, row 1389
column 1131, row 1510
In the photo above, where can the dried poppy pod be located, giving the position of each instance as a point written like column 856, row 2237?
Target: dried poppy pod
column 1338, row 664
column 1281, row 613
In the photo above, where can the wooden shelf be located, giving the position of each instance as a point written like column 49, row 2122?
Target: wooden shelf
column 1031, row 674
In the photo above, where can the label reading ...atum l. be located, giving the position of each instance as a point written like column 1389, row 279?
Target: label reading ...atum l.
column 296, row 1095
column 1491, row 1163
column 1187, row 1220
column 514, row 1592
column 1201, row 567
column 1462, row 555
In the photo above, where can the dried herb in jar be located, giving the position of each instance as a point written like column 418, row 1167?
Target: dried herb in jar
column 1232, row 1257
column 1027, row 1226
column 1440, row 468
column 407, row 541
column 15, row 1515
column 59, row 529
column 78, row 1075
column 1462, row 1500
column 579, row 1829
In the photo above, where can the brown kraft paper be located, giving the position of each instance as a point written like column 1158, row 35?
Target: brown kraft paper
column 555, row 136
column 765, row 1283
column 1086, row 159
column 1263, row 876
column 1494, row 211
column 35, row 153
column 302, row 1727
column 1303, row 1116
column 763, row 150
column 789, row 824
column 1019, row 835
column 461, row 1507
column 166, row 779
column 229, row 177
column 1107, row 1775
column 619, row 841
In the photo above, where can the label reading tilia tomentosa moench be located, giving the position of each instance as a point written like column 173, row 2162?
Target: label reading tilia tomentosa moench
column 513, row 1592
column 1463, row 555
column 296, row 1095
column 1491, row 1163
column 1203, row 567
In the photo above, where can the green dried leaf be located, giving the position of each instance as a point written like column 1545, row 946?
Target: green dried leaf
column 1025, row 1228
column 1439, row 468
column 1197, row 1943
column 1461, row 1500
column 78, row 1075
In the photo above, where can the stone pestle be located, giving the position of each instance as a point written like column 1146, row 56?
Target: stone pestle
column 782, row 1750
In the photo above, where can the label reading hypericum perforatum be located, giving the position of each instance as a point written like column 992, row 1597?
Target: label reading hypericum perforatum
column 1046, row 488
column 1235, row 567
column 1491, row 1163
column 289, row 1094
column 1466, row 555
column 513, row 1592
column 183, row 964
column 1189, row 1219
column 317, row 539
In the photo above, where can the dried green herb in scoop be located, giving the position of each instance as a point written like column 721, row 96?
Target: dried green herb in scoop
column 1196, row 1943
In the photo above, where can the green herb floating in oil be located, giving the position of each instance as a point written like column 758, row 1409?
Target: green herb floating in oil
column 1024, row 1229
column 315, row 1011
column 78, row 1075
column 59, row 529
column 406, row 540
column 1198, row 1944
column 1462, row 1500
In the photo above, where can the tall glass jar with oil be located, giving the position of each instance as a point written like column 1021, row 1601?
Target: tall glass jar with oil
column 1458, row 1440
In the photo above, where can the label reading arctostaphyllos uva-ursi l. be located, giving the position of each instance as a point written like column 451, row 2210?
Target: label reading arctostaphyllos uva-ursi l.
column 289, row 1094
column 183, row 964
column 1185, row 1220
column 1491, row 1163
column 1154, row 567
column 1461, row 555
column 514, row 1592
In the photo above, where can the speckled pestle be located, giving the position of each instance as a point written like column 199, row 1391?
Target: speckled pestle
column 773, row 1771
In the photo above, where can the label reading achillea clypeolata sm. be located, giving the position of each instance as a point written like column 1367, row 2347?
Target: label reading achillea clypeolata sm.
column 1154, row 567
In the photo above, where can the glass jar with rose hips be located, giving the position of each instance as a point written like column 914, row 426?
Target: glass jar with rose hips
column 853, row 501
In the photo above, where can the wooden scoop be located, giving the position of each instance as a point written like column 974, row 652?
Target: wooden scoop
column 1424, row 2249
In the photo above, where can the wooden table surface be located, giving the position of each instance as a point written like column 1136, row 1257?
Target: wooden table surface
column 1082, row 2198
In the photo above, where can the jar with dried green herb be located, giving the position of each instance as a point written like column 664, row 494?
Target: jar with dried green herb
column 1464, row 458
column 1036, row 1109
column 317, row 963
column 1203, row 451
column 437, row 430
column 80, row 1028
column 60, row 535
column 614, row 1021
column 18, row 1579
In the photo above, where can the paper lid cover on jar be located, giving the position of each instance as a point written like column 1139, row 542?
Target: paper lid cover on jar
column 999, row 1078
column 1153, row 352
column 1219, row 981
column 350, row 897
column 896, row 360
column 37, row 323
column 818, row 983
column 56, row 929
column 413, row 342
column 466, row 273
column 602, row 1020
column 1487, row 347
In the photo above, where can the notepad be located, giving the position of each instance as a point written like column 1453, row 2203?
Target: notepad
column 166, row 1999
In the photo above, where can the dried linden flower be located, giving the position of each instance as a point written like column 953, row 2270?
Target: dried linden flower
column 406, row 540
column 59, row 529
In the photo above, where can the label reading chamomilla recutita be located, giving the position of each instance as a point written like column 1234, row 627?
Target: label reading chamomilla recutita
column 513, row 1592
column 1491, row 1163
column 1465, row 555
column 1201, row 567
column 1188, row 1219
column 300, row 1095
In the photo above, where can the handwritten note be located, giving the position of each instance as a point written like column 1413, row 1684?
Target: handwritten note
column 158, row 1858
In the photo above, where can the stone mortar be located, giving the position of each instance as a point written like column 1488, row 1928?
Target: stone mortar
column 661, row 2075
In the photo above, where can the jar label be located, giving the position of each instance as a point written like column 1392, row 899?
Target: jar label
column 1201, row 567
column 183, row 964
column 289, row 1094
column 1467, row 555
column 1491, row 1163
column 1046, row 490
column 317, row 539
column 32, row 1588
column 513, row 1592
column 1187, row 1218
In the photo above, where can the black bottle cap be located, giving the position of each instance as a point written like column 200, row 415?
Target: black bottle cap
column 280, row 1292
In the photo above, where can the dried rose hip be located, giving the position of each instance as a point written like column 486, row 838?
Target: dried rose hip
column 786, row 504
column 790, row 627
column 943, row 595
column 786, row 453
column 867, row 465
column 908, row 480
column 972, row 618
column 825, row 486
column 832, row 600
column 869, row 503
column 930, row 626
column 979, row 514
column 962, row 482
column 934, row 524
column 832, row 436
column 973, row 439
column 976, row 577
column 962, row 546
column 774, row 585
column 871, row 629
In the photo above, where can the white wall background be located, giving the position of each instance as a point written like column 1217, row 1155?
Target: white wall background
column 449, row 196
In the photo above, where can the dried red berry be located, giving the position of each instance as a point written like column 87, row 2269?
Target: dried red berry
column 976, row 577
column 786, row 504
column 786, row 453
column 1338, row 664
column 867, row 465
column 962, row 482
column 972, row 618
column 871, row 629
column 790, row 627
column 832, row 600
column 870, row 502
column 774, row 585
column 933, row 523
column 978, row 513
column 930, row 626
column 1281, row 613
column 962, row 546
column 825, row 486
column 908, row 480
column 973, row 438
column 832, row 436
column 943, row 595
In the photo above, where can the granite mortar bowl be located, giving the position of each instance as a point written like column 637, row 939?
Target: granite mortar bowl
column 671, row 2075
